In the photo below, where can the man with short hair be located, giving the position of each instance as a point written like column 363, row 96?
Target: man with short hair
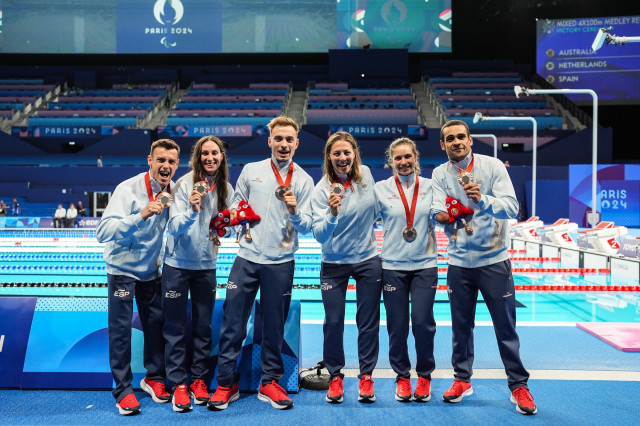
column 132, row 228
column 59, row 217
column 279, row 191
column 478, row 258
column 82, row 210
column 72, row 215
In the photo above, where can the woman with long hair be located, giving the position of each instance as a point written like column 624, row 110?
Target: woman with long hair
column 190, row 267
column 344, row 211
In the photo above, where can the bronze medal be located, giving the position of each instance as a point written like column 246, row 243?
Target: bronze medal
column 465, row 178
column 165, row 198
column 201, row 188
column 280, row 191
column 409, row 234
column 337, row 188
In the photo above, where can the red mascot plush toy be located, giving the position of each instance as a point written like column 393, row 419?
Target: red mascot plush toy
column 245, row 216
column 218, row 224
column 456, row 212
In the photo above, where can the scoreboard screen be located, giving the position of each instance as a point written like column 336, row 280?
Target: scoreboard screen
column 222, row 26
column 566, row 59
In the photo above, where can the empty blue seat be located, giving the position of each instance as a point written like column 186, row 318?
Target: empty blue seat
column 210, row 121
column 84, row 121
column 231, row 105
column 493, row 105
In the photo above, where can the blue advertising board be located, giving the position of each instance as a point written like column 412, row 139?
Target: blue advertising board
column 64, row 131
column 16, row 314
column 617, row 192
column 383, row 131
column 63, row 343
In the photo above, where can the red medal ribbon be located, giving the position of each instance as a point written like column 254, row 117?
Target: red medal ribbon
column 276, row 172
column 468, row 169
column 210, row 187
column 409, row 213
column 147, row 181
column 345, row 185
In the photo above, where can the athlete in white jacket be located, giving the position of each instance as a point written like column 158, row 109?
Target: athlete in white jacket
column 279, row 191
column 190, row 269
column 479, row 261
column 409, row 268
column 344, row 211
column 132, row 228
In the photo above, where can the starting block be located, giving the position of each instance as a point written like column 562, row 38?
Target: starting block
column 603, row 238
column 527, row 229
column 630, row 247
column 558, row 233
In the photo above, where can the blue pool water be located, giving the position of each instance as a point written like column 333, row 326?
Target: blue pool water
column 69, row 263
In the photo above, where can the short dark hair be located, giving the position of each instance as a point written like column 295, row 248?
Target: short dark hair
column 167, row 144
column 453, row 123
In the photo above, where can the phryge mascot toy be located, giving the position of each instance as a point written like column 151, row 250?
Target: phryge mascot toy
column 457, row 211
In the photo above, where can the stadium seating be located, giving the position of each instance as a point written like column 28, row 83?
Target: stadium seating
column 336, row 103
column 461, row 95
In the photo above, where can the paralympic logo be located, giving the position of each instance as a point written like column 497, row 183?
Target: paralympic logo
column 158, row 11
column 168, row 13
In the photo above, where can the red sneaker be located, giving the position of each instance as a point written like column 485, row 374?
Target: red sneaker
column 365, row 389
column 423, row 390
column 199, row 393
column 181, row 400
column 224, row 396
column 457, row 391
column 335, row 394
column 128, row 405
column 523, row 400
column 156, row 389
column 275, row 395
column 403, row 390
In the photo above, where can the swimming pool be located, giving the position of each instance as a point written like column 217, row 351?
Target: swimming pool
column 68, row 263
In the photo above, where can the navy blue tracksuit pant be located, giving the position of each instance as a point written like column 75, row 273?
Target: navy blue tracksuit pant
column 420, row 286
column 275, row 282
column 495, row 282
column 334, row 280
column 122, row 290
column 176, row 285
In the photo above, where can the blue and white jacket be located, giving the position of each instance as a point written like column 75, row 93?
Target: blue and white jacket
column 489, row 242
column 398, row 254
column 132, row 245
column 188, row 244
column 347, row 238
column 275, row 236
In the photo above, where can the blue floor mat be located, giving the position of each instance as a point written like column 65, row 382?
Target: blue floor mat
column 541, row 348
column 559, row 403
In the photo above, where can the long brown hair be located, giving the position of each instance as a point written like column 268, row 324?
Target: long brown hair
column 328, row 171
column 222, row 175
